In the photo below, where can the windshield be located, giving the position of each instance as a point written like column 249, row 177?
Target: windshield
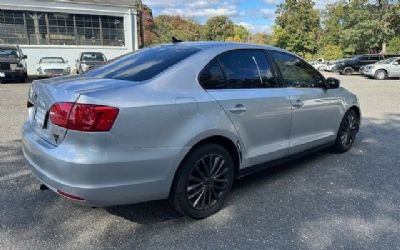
column 387, row 61
column 92, row 57
column 143, row 64
column 9, row 53
column 51, row 60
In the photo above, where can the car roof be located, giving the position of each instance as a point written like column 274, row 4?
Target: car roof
column 210, row 45
column 213, row 44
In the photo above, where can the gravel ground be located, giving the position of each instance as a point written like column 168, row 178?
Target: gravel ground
column 348, row 201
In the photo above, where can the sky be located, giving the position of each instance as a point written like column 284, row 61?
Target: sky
column 256, row 15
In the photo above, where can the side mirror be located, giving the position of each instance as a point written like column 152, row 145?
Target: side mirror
column 396, row 63
column 66, row 61
column 25, row 57
column 332, row 83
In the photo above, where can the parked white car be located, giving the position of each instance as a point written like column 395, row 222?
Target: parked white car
column 330, row 66
column 52, row 66
column 318, row 65
column 383, row 69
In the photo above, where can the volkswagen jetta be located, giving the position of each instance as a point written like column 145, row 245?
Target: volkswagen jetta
column 180, row 122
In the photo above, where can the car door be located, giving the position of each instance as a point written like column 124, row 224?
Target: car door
column 315, row 110
column 244, row 84
column 394, row 68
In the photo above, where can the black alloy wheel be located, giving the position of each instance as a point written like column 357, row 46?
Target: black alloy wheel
column 203, row 181
column 347, row 131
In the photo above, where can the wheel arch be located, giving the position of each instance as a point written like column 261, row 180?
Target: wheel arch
column 233, row 148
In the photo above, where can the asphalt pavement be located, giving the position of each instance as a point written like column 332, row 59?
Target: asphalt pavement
column 324, row 201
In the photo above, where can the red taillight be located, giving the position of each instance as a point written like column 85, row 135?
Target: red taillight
column 83, row 117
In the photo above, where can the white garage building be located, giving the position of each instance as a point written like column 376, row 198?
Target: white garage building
column 67, row 27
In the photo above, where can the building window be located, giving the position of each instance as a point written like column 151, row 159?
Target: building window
column 12, row 27
column 25, row 27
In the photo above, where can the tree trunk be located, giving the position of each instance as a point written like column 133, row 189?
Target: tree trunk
column 384, row 48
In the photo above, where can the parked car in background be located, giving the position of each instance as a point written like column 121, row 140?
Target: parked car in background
column 88, row 60
column 181, row 121
column 331, row 66
column 12, row 64
column 319, row 65
column 353, row 65
column 52, row 66
column 384, row 69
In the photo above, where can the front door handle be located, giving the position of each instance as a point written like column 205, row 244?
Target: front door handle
column 238, row 109
column 298, row 104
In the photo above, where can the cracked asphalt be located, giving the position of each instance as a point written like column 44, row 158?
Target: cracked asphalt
column 324, row 201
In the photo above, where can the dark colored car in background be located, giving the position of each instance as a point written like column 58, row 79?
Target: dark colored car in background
column 12, row 64
column 88, row 60
column 351, row 65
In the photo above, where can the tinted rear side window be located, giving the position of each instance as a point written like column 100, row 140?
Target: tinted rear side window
column 144, row 64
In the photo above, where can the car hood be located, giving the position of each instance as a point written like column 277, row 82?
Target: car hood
column 53, row 65
column 10, row 60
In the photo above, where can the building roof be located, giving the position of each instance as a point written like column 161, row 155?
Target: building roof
column 127, row 3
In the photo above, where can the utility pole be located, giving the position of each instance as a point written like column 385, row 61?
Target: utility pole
column 139, row 10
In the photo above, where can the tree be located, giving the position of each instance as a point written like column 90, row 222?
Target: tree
column 394, row 45
column 149, row 35
column 182, row 28
column 297, row 26
column 330, row 52
column 361, row 26
column 240, row 34
column 219, row 28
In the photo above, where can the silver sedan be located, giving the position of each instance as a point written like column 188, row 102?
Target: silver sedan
column 181, row 121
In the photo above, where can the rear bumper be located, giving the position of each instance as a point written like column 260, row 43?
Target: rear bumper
column 113, row 177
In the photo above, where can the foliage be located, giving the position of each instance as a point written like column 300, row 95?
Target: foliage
column 330, row 52
column 361, row 26
column 219, row 28
column 182, row 28
column 240, row 34
column 297, row 26
column 394, row 45
column 148, row 23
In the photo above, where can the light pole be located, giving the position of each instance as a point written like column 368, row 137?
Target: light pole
column 139, row 10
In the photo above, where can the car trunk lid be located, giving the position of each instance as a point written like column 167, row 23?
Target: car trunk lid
column 44, row 93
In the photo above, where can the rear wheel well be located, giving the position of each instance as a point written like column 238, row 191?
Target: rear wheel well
column 221, row 141
column 225, row 143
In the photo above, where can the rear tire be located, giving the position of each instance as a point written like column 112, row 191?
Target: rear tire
column 380, row 75
column 203, row 181
column 348, row 71
column 347, row 132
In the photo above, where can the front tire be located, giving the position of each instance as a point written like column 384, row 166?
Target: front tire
column 203, row 181
column 347, row 132
column 380, row 75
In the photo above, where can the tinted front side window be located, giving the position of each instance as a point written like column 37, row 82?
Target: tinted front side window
column 238, row 69
column 143, row 64
column 296, row 72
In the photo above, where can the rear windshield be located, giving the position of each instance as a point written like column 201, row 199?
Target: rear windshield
column 143, row 64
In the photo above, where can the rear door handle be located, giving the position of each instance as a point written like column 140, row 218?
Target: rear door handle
column 238, row 109
column 298, row 104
